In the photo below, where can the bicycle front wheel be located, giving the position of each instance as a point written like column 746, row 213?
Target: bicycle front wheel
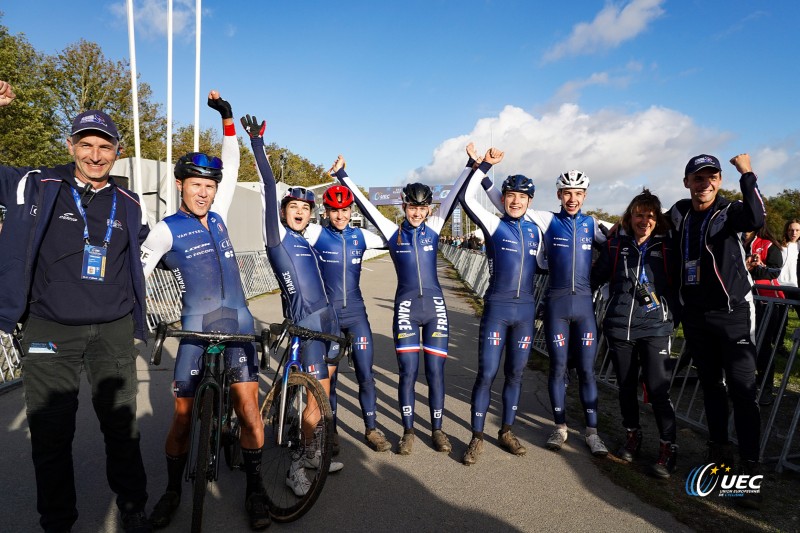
column 294, row 468
column 202, row 468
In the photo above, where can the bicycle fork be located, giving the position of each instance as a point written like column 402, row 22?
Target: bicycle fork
column 291, row 365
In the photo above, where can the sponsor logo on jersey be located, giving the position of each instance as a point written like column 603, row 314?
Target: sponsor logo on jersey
column 558, row 339
column 494, row 338
column 69, row 216
column 361, row 342
column 116, row 224
column 405, row 335
column 225, row 243
column 438, row 334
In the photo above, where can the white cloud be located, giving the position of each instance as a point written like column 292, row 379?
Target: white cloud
column 621, row 152
column 151, row 17
column 613, row 25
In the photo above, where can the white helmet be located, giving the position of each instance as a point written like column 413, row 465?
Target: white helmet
column 574, row 179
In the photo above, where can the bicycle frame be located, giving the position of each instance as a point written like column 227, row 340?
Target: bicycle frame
column 214, row 380
column 292, row 364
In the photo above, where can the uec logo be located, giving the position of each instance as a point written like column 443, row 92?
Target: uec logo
column 698, row 484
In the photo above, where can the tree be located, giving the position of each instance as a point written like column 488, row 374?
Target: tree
column 603, row 215
column 80, row 78
column 29, row 133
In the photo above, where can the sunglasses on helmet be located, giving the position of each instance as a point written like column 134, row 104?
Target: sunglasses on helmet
column 202, row 160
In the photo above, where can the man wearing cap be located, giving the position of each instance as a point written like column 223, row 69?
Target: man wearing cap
column 718, row 313
column 70, row 272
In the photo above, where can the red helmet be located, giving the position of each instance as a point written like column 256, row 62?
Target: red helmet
column 337, row 197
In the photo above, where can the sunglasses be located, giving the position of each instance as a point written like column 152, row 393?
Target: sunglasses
column 202, row 160
column 300, row 193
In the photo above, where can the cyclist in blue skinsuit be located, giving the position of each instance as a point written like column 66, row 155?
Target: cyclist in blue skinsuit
column 512, row 245
column 340, row 248
column 419, row 302
column 569, row 314
column 195, row 245
column 302, row 289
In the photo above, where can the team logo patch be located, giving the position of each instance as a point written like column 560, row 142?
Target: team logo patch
column 494, row 338
column 588, row 339
column 558, row 339
column 524, row 342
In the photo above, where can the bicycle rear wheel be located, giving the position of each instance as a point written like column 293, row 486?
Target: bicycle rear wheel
column 202, row 469
column 231, row 446
column 285, row 504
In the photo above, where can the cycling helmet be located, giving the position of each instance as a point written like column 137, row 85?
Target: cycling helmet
column 417, row 194
column 199, row 165
column 298, row 193
column 337, row 197
column 519, row 183
column 574, row 179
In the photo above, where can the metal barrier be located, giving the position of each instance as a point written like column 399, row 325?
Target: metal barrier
column 779, row 427
column 9, row 359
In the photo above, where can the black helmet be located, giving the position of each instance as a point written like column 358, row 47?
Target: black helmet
column 417, row 194
column 519, row 183
column 199, row 165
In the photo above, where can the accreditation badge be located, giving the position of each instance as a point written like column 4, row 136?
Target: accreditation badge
column 94, row 262
column 691, row 271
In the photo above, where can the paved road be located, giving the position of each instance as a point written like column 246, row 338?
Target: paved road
column 426, row 491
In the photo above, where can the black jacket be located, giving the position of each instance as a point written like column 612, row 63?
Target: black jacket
column 619, row 264
column 722, row 245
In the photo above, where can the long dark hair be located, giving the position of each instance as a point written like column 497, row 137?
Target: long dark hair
column 645, row 201
column 785, row 236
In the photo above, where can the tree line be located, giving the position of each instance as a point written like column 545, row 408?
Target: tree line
column 52, row 89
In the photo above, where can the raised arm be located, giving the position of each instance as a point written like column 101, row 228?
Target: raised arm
column 469, row 196
column 158, row 243
column 752, row 214
column 230, row 155
column 384, row 225
column 273, row 229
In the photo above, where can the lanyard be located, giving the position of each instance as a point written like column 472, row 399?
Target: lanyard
column 702, row 234
column 642, row 273
column 107, row 238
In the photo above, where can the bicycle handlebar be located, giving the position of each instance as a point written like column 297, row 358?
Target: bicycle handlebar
column 286, row 328
column 213, row 337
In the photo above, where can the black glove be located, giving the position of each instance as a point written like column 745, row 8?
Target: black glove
column 222, row 106
column 252, row 127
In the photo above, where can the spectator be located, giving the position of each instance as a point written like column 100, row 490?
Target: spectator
column 764, row 264
column 70, row 270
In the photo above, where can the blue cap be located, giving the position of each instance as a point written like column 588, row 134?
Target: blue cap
column 95, row 120
column 701, row 161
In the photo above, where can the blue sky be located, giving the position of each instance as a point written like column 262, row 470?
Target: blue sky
column 626, row 91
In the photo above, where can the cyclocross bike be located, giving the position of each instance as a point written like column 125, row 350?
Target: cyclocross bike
column 214, row 423
column 294, row 398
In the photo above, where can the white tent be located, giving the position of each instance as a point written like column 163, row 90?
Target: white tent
column 244, row 216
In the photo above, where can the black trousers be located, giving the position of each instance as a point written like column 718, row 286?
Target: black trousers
column 719, row 341
column 51, row 381
column 651, row 355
